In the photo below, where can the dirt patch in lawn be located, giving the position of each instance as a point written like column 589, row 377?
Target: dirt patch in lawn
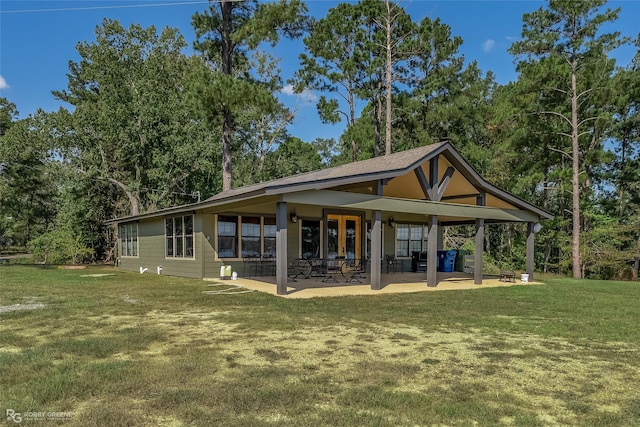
column 18, row 307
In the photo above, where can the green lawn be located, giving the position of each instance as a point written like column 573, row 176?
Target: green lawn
column 129, row 349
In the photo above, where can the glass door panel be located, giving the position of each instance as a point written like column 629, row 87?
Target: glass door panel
column 310, row 239
column 344, row 236
column 333, row 242
column 350, row 238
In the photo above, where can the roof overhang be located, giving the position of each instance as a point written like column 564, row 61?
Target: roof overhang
column 420, row 207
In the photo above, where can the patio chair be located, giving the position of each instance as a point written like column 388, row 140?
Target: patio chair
column 298, row 267
column 333, row 268
column 355, row 269
column 392, row 263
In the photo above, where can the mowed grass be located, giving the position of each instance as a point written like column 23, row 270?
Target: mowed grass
column 129, row 349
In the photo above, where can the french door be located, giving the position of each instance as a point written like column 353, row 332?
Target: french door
column 344, row 236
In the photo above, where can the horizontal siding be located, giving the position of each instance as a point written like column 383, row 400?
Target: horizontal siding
column 151, row 252
column 151, row 245
column 211, row 266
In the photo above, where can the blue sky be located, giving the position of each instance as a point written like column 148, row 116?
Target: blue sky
column 38, row 39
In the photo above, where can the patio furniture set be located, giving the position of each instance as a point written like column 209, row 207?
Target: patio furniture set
column 331, row 270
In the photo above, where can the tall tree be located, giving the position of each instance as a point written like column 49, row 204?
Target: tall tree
column 567, row 37
column 624, row 171
column 356, row 53
column 333, row 65
column 132, row 125
column 397, row 28
column 28, row 188
column 293, row 156
column 8, row 114
column 225, row 33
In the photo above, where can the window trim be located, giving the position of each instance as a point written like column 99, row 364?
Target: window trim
column 135, row 249
column 263, row 235
column 411, row 226
column 217, row 238
column 183, row 236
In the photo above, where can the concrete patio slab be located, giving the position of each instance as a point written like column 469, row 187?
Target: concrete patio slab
column 392, row 283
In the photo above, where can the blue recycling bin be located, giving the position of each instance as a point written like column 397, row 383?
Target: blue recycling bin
column 448, row 261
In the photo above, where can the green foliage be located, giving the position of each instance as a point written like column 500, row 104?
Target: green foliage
column 292, row 157
column 27, row 180
column 8, row 114
column 132, row 124
column 345, row 57
column 60, row 246
column 231, row 84
column 565, row 76
column 607, row 247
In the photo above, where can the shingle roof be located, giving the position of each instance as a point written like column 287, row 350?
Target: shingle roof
column 383, row 167
column 332, row 176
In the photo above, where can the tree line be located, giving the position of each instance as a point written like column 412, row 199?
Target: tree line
column 149, row 126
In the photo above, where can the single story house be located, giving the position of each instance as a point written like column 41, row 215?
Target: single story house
column 391, row 205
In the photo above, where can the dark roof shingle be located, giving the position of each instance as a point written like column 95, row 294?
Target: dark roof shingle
column 331, row 176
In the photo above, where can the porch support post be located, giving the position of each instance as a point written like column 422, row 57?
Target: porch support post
column 440, row 238
column 477, row 270
column 530, row 249
column 376, row 250
column 281, row 248
column 432, row 252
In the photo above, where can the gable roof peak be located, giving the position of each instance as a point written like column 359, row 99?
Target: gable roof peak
column 374, row 166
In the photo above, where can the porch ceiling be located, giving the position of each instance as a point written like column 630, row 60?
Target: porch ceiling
column 421, row 207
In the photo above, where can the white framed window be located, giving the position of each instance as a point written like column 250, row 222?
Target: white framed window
column 128, row 235
column 410, row 238
column 402, row 240
column 250, row 237
column 179, row 237
column 269, row 237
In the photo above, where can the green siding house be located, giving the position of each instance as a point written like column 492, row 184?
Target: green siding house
column 387, row 206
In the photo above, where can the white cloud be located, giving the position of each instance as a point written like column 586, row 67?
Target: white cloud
column 306, row 95
column 3, row 83
column 487, row 46
column 288, row 90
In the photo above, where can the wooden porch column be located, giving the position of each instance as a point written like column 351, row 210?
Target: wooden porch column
column 440, row 238
column 477, row 270
column 432, row 252
column 530, row 249
column 376, row 250
column 281, row 247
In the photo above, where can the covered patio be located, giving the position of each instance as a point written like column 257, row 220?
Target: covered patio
column 390, row 284
column 433, row 185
